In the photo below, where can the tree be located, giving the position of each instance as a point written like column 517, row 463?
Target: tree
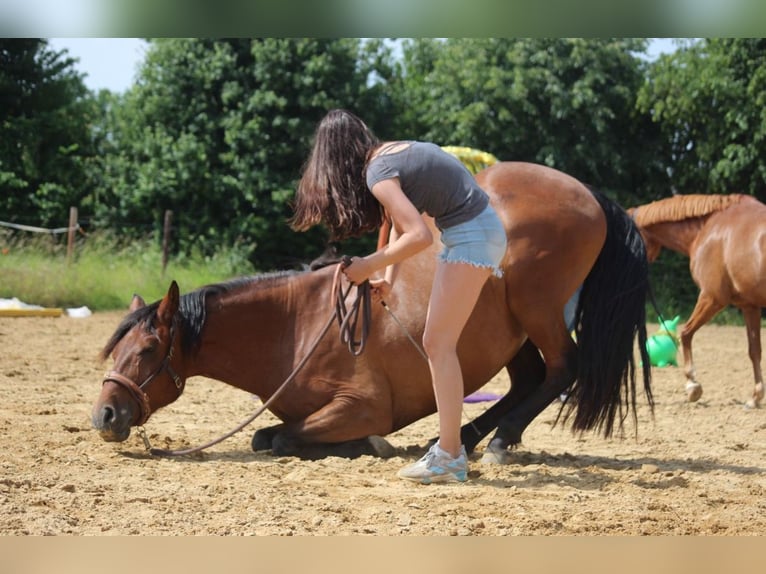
column 709, row 100
column 565, row 103
column 217, row 131
column 46, row 118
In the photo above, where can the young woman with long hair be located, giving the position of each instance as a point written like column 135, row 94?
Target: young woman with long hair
column 351, row 183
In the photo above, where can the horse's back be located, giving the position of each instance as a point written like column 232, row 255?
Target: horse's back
column 555, row 228
column 536, row 188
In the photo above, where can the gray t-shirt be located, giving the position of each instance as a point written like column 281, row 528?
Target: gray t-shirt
column 436, row 182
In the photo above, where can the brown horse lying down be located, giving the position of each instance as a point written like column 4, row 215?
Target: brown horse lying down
column 724, row 237
column 251, row 333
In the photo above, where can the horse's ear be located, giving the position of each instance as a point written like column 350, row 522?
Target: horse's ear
column 136, row 303
column 169, row 304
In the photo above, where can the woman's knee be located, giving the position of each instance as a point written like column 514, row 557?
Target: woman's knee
column 437, row 344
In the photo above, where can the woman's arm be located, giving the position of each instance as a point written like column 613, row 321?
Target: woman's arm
column 393, row 269
column 409, row 234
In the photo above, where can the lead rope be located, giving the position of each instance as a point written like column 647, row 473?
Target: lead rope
column 349, row 318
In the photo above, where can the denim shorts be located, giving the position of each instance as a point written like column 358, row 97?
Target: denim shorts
column 479, row 241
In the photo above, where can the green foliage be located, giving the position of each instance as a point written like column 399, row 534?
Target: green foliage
column 217, row 131
column 709, row 99
column 105, row 272
column 565, row 103
column 46, row 114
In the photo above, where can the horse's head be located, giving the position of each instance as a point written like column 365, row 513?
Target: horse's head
column 145, row 375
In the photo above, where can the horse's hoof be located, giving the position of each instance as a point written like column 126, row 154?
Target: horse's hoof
column 261, row 441
column 758, row 394
column 755, row 401
column 282, row 445
column 693, row 392
column 495, row 456
column 381, row 447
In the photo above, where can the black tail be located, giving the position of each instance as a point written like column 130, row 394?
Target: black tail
column 610, row 314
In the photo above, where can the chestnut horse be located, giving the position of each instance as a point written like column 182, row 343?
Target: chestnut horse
column 252, row 332
column 724, row 237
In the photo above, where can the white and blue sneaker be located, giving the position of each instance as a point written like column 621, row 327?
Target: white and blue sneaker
column 437, row 466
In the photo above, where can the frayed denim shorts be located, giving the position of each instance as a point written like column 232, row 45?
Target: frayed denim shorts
column 479, row 241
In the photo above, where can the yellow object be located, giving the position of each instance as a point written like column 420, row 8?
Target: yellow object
column 475, row 160
column 45, row 312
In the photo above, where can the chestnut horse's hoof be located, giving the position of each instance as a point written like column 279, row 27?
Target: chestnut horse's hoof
column 755, row 402
column 693, row 391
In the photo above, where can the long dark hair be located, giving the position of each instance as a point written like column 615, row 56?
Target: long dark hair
column 333, row 187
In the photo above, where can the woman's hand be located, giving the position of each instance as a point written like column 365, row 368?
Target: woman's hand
column 358, row 271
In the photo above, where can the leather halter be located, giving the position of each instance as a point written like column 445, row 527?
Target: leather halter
column 137, row 391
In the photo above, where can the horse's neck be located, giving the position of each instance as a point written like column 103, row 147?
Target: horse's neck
column 248, row 338
column 677, row 236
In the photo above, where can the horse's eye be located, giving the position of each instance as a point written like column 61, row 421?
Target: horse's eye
column 148, row 350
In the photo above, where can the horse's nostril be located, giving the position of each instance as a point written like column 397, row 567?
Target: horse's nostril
column 107, row 415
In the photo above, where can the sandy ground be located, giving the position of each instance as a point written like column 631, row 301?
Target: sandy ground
column 694, row 469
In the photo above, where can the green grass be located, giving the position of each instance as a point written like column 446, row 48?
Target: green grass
column 104, row 274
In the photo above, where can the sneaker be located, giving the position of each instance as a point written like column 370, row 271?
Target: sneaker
column 437, row 466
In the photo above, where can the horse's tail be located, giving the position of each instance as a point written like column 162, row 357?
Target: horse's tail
column 610, row 313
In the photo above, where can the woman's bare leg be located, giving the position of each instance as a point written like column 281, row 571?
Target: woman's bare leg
column 454, row 293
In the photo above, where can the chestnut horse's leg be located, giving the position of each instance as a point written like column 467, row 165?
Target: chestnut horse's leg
column 753, row 323
column 704, row 310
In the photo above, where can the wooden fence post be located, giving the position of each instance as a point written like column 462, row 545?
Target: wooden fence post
column 166, row 239
column 70, row 234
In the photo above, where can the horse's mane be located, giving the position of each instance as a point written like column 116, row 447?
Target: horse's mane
column 192, row 310
column 680, row 207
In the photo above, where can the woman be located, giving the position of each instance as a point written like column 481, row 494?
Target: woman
column 352, row 182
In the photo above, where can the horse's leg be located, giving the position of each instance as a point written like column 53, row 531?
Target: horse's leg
column 526, row 372
column 333, row 430
column 560, row 355
column 373, row 445
column 704, row 310
column 753, row 323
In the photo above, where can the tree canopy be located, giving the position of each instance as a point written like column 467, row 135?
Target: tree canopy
column 217, row 130
column 46, row 121
column 709, row 100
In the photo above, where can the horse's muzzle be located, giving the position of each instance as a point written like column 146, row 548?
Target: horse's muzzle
column 109, row 426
